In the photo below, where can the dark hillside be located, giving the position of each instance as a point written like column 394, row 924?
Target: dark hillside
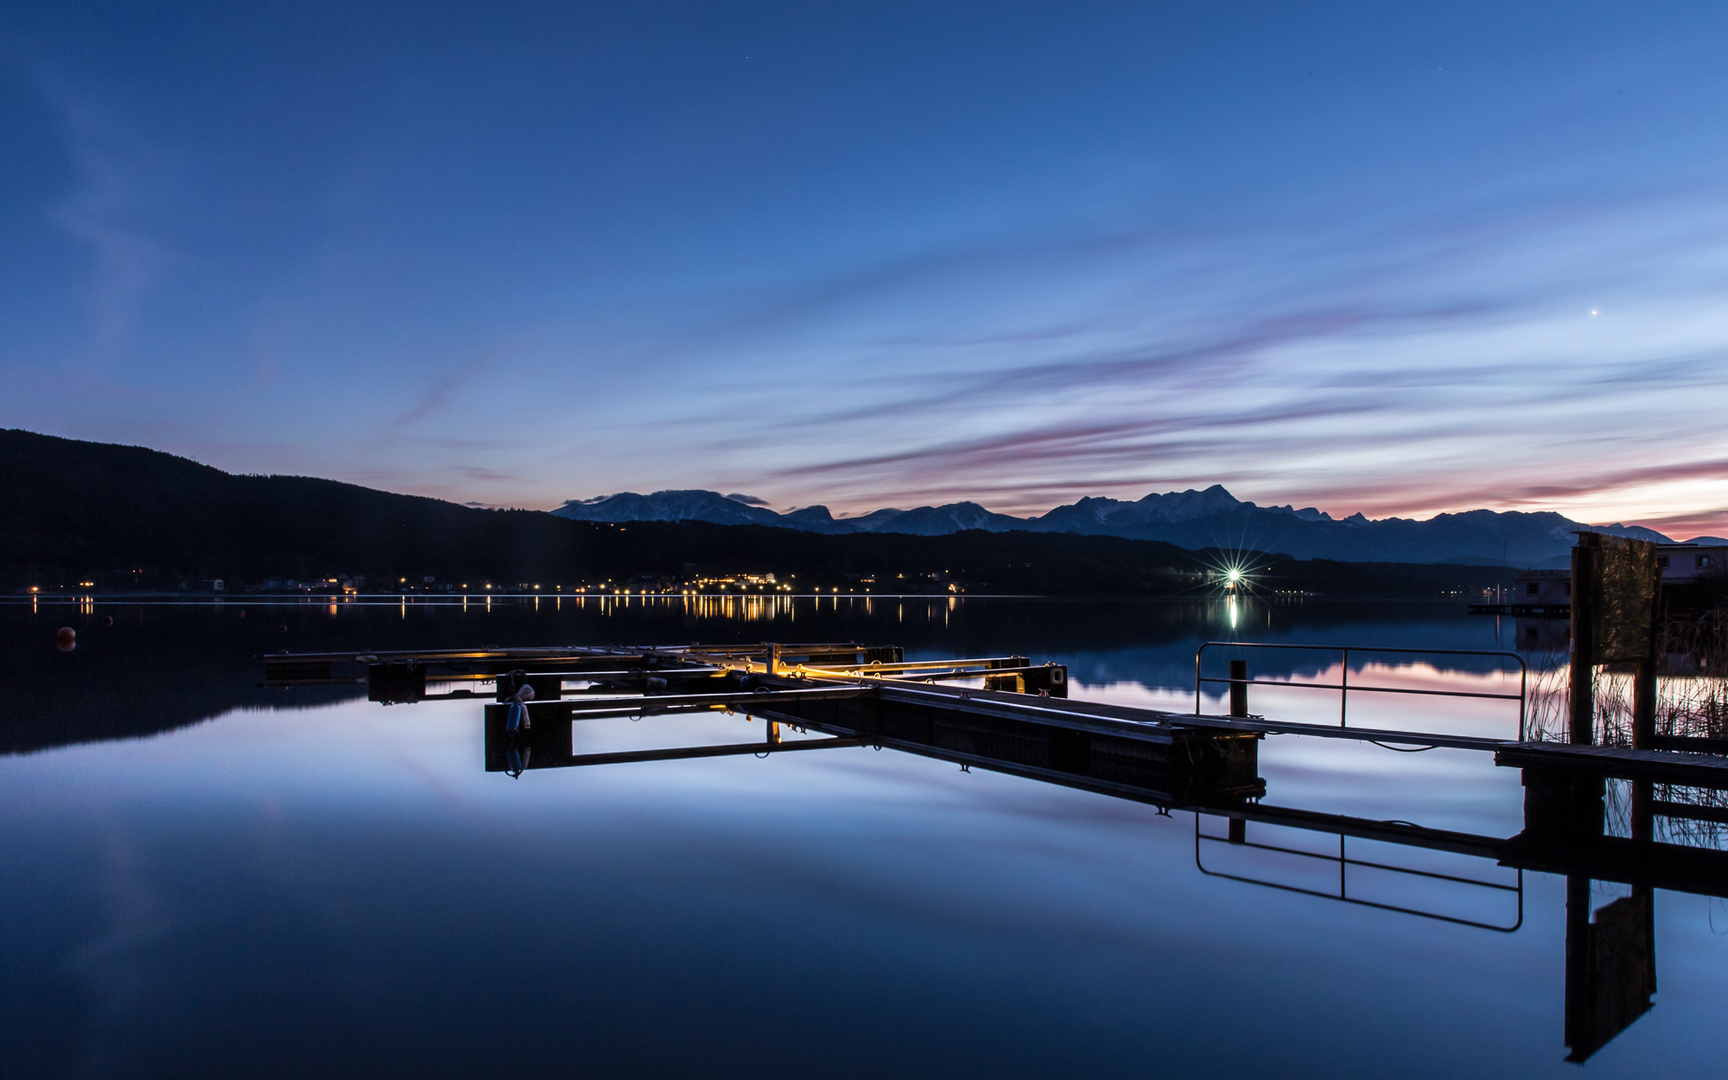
column 130, row 518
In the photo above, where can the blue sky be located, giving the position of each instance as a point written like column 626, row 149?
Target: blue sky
column 1399, row 259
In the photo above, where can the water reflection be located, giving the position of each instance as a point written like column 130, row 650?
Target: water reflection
column 1466, row 879
column 314, row 885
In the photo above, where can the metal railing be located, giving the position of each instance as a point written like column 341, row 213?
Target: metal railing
column 1344, row 687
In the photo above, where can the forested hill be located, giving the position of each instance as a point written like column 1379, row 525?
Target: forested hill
column 110, row 512
column 132, row 518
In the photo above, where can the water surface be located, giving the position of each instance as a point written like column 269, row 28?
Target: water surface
column 203, row 875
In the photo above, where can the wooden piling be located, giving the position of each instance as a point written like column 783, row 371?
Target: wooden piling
column 1586, row 568
column 1644, row 705
column 1615, row 585
column 1239, row 688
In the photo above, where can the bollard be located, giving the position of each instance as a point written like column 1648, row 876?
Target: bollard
column 1239, row 688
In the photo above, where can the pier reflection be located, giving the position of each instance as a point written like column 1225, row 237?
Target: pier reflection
column 1401, row 867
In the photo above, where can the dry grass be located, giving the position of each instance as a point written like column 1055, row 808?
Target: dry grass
column 1691, row 700
column 1691, row 688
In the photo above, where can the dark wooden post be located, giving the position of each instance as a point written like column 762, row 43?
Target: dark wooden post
column 1580, row 1027
column 1238, row 688
column 1644, row 683
column 1643, row 810
column 1616, row 582
column 1586, row 567
column 1610, row 965
column 1644, row 703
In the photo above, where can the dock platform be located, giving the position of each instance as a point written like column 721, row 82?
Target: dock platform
column 1021, row 715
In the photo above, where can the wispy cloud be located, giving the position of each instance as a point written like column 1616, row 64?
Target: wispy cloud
column 119, row 174
column 1357, row 388
column 1429, row 334
column 434, row 397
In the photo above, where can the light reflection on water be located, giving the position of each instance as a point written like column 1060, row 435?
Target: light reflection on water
column 340, row 889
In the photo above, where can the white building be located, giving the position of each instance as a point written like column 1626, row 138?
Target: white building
column 1683, row 562
column 1680, row 564
column 1545, row 588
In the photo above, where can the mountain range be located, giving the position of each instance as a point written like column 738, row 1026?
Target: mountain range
column 1210, row 518
column 133, row 518
column 85, row 516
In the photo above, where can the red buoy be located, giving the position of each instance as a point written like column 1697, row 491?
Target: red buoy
column 67, row 639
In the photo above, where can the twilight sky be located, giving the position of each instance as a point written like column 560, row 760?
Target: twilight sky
column 1395, row 258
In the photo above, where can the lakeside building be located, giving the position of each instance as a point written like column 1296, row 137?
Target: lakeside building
column 1547, row 594
column 1543, row 588
column 1681, row 564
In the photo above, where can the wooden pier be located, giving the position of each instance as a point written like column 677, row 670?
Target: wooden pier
column 844, row 696
column 1524, row 611
column 1020, row 719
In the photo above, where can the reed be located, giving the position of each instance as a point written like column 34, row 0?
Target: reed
column 1691, row 701
column 1691, row 687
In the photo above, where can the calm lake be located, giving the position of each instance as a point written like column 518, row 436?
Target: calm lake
column 202, row 876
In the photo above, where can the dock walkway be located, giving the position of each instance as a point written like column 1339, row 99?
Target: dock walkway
column 873, row 690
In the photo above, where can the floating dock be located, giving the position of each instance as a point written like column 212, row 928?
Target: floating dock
column 1020, row 720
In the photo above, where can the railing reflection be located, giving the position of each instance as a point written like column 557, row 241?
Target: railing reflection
column 1237, row 840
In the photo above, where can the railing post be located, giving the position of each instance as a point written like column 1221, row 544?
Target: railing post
column 1523, row 696
column 1344, row 691
column 1239, row 688
column 1198, row 654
